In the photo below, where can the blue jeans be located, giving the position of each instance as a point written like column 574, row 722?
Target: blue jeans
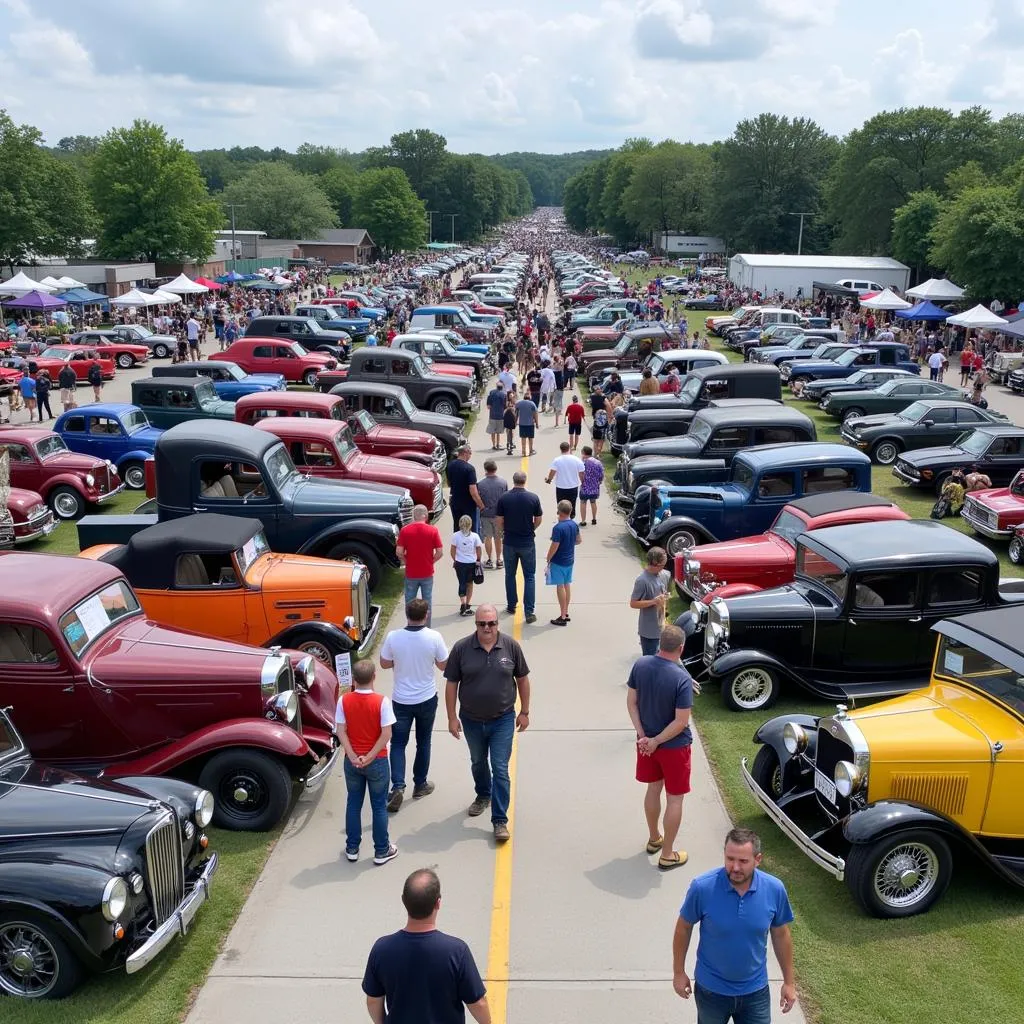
column 424, row 587
column 374, row 777
column 527, row 555
column 649, row 645
column 423, row 717
column 491, row 739
column 754, row 1008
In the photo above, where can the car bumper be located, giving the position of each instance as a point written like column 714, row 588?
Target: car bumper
column 914, row 481
column 852, row 439
column 322, row 769
column 177, row 924
column 636, row 536
column 110, row 494
column 34, row 532
column 985, row 528
column 372, row 629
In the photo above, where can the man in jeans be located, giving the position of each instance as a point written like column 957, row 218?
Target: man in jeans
column 485, row 688
column 650, row 598
column 419, row 547
column 413, row 653
column 517, row 516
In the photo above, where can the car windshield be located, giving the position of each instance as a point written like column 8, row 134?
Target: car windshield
column 848, row 357
column 52, row 445
column 55, row 353
column 279, row 465
column 819, row 352
column 362, row 416
column 142, row 332
column 299, row 350
column 92, row 617
column 406, row 403
column 235, row 372
column 250, row 551
column 205, row 391
column 812, row 566
column 980, row 671
column 10, row 742
column 742, row 475
column 700, row 431
column 656, row 364
column 974, row 442
column 421, row 366
column 914, row 412
column 133, row 421
column 345, row 445
column 691, row 387
column 623, row 346
column 789, row 526
column 314, row 326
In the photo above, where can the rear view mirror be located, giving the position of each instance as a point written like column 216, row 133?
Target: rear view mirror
column 927, row 423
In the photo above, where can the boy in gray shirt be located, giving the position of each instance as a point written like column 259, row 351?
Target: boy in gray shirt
column 490, row 489
column 650, row 596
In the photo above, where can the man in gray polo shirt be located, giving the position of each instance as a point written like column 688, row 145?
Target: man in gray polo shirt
column 490, row 489
column 650, row 597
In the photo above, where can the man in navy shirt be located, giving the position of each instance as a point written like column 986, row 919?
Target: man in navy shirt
column 463, row 497
column 737, row 906
column 517, row 516
column 420, row 975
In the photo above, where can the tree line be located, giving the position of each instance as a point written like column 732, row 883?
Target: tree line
column 942, row 192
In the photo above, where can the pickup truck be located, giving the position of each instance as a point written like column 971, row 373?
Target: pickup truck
column 440, row 350
column 230, row 381
column 847, row 364
column 336, row 318
column 238, row 470
column 170, row 400
column 632, row 350
column 806, row 346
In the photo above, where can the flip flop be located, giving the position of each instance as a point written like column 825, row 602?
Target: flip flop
column 679, row 858
column 655, row 846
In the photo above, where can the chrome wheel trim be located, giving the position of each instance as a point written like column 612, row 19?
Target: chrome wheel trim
column 66, row 506
column 319, row 651
column 886, row 453
column 1016, row 552
column 125, row 361
column 680, row 542
column 29, row 966
column 135, row 478
column 906, row 875
column 751, row 688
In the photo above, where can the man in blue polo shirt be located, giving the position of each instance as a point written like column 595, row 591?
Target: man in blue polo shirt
column 737, row 906
column 517, row 516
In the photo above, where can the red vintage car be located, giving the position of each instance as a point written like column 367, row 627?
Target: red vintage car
column 996, row 513
column 370, row 436
column 122, row 353
column 98, row 685
column 79, row 359
column 768, row 560
column 68, row 482
column 30, row 514
column 277, row 355
column 322, row 447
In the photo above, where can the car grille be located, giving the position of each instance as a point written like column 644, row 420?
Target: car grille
column 165, row 868
column 6, row 529
column 975, row 513
column 103, row 480
column 405, row 506
column 362, row 603
column 905, row 467
column 438, row 498
column 829, row 752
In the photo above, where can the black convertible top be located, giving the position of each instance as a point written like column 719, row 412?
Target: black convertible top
column 837, row 501
column 996, row 633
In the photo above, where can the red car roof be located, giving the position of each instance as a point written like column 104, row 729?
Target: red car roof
column 296, row 427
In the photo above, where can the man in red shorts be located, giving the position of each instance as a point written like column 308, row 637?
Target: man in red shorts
column 659, row 698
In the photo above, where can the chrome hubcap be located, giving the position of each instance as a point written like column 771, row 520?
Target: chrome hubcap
column 751, row 687
column 66, row 506
column 886, row 453
column 241, row 794
column 23, row 962
column 319, row 651
column 680, row 544
column 906, row 874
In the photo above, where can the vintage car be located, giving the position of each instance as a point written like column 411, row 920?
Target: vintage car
column 216, row 575
column 326, row 448
column 997, row 449
column 888, row 797
column 166, row 401
column 929, row 422
column 98, row 876
column 1015, row 381
column 304, row 330
column 891, row 397
column 241, row 471
column 452, row 318
column 54, row 359
column 801, row 372
column 116, row 432
column 633, row 349
column 862, row 380
column 67, row 481
column 336, row 318
column 997, row 512
column 30, row 517
column 160, row 345
column 661, row 364
column 124, row 353
column 761, row 480
column 96, row 684
column 767, row 560
column 706, row 302
column 1002, row 365
column 801, row 347
column 230, row 381
column 853, row 624
column 279, row 356
column 440, row 352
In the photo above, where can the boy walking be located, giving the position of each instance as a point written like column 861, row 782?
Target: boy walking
column 561, row 558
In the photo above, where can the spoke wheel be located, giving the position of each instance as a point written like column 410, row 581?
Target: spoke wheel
column 445, row 407
column 900, row 875
column 1016, row 551
column 886, row 453
column 35, row 963
column 750, row 689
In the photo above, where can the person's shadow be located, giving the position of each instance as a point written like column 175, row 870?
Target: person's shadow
column 633, row 878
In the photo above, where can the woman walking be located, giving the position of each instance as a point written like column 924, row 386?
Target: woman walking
column 467, row 550
column 590, row 488
column 43, row 387
column 509, row 423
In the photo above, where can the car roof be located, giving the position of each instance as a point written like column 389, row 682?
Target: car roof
column 101, row 409
column 357, row 387
column 27, row 435
column 179, row 442
column 801, row 453
column 288, row 400
column 995, row 632
column 50, row 584
column 692, row 353
column 277, row 316
column 998, row 428
column 941, row 403
column 736, row 370
column 300, row 426
column 741, row 413
column 172, row 382
column 837, row 501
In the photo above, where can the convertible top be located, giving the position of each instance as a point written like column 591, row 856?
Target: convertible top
column 996, row 633
column 837, row 501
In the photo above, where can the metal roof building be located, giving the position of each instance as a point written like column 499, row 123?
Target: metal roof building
column 787, row 273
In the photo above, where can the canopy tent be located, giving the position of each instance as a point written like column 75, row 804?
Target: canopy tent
column 886, row 299
column 1014, row 330
column 84, row 297
column 264, row 286
column 21, row 284
column 36, row 300
column 442, row 245
column 922, row 311
column 166, row 298
column 231, row 277
column 61, row 284
column 135, row 298
column 208, row 284
column 181, row 285
column 978, row 317
column 936, row 288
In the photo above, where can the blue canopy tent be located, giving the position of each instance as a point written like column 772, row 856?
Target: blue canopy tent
column 85, row 297
column 231, row 277
column 923, row 311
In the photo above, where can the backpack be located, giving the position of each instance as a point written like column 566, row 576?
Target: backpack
column 941, row 508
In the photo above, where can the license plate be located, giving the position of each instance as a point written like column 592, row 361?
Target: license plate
column 825, row 786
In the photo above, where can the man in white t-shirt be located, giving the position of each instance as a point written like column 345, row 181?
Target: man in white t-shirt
column 567, row 472
column 547, row 387
column 414, row 653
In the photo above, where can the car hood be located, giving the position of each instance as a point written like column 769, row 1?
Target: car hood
column 402, row 437
column 319, row 496
column 20, row 500
column 765, row 605
column 826, row 383
column 301, row 574
column 668, row 407
column 880, row 419
column 147, row 437
column 274, row 379
column 925, row 456
column 599, row 353
column 999, row 499
column 72, row 461
column 456, row 424
column 399, row 472
column 220, row 408
column 820, row 366
column 746, row 555
column 662, row 462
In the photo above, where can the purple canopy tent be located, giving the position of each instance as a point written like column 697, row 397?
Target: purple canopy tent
column 36, row 300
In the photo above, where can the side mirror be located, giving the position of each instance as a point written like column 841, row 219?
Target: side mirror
column 927, row 423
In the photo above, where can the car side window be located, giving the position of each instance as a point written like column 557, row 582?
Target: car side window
column 965, row 415
column 776, row 435
column 955, row 586
column 942, row 415
column 886, row 590
column 728, row 439
column 74, row 425
column 208, row 570
column 775, row 485
column 375, row 366
column 399, row 367
column 263, row 352
column 103, row 426
column 284, row 352
column 25, row 645
column 150, row 396
column 283, row 328
column 180, row 398
column 715, row 389
column 827, row 478
column 312, row 453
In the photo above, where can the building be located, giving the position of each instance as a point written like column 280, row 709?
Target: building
column 789, row 274
column 339, row 245
column 247, row 244
column 674, row 244
column 110, row 277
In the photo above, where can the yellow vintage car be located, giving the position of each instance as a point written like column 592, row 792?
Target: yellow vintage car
column 216, row 575
column 881, row 797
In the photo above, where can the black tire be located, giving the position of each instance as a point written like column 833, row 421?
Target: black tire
column 886, row 452
column 848, row 414
column 134, row 476
column 309, row 378
column 126, row 360
column 322, row 648
column 1016, row 551
column 680, row 539
column 66, row 503
column 767, row 772
column 940, row 482
column 877, row 873
column 161, row 351
column 353, row 551
column 752, row 688
column 265, row 781
column 445, row 405
column 56, row 971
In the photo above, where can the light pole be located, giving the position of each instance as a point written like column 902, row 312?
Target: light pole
column 800, row 239
column 232, row 207
column 430, row 226
column 453, row 216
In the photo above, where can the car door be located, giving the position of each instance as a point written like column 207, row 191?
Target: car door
column 285, row 362
column 725, row 442
column 944, row 427
column 103, row 437
column 26, row 469
column 237, row 490
column 949, row 591
column 75, row 433
column 261, row 359
column 884, row 626
column 1002, row 460
column 771, row 492
column 385, row 409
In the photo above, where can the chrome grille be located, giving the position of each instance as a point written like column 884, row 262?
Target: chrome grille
column 944, row 793
column 438, row 499
column 103, row 480
column 405, row 506
column 165, row 872
column 362, row 603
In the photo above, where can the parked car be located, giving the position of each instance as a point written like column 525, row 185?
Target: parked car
column 662, row 363
column 230, row 381
column 86, row 858
column 1015, row 381
column 704, row 302
column 166, row 401
column 890, row 397
column 881, row 797
column 40, row 461
column 452, row 318
column 305, row 330
column 216, row 575
column 337, row 318
column 632, row 350
column 855, row 623
column 848, row 363
column 160, row 345
column 805, row 349
column 997, row 449
column 929, row 422
column 55, row 358
column 114, row 432
column 440, row 351
column 125, row 354
column 997, row 512
column 862, row 380
column 94, row 682
column 291, row 360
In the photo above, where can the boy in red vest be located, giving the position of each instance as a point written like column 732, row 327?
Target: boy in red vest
column 365, row 718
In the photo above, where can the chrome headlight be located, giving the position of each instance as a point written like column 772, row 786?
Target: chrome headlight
column 722, row 610
column 848, row 778
column 698, row 609
column 90, row 480
column 794, row 737
column 115, row 899
column 273, row 663
column 203, row 811
column 286, row 706
column 349, row 622
column 691, row 566
column 305, row 674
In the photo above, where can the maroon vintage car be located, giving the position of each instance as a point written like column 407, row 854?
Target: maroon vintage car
column 67, row 481
column 96, row 685
column 767, row 560
column 30, row 514
column 998, row 513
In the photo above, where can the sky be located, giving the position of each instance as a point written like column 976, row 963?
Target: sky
column 543, row 75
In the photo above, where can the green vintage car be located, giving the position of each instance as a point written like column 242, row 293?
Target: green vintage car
column 167, row 401
column 892, row 396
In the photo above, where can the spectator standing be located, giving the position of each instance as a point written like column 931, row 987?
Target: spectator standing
column 413, row 652
column 27, row 387
column 659, row 697
column 547, row 388
column 738, row 907
column 95, row 375
column 533, row 383
column 518, row 514
column 467, row 552
column 526, row 417
column 558, row 395
column 590, row 488
column 935, row 364
column 463, row 497
column 571, row 366
column 491, row 488
column 508, row 381
column 561, row 558
column 364, row 720
column 650, row 598
column 495, row 414
column 419, row 547
column 509, row 419
column 567, row 472
column 43, row 386
column 485, row 690
column 67, row 380
column 574, row 416
column 192, row 331
column 648, row 383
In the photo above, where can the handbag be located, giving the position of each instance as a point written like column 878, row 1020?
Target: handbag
column 478, row 573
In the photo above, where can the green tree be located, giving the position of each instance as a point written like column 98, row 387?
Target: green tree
column 912, row 225
column 313, row 159
column 669, row 188
column 595, row 218
column 422, row 155
column 217, row 168
column 575, row 197
column 620, row 173
column 339, row 185
column 968, row 175
column 276, row 198
column 389, row 209
column 151, row 197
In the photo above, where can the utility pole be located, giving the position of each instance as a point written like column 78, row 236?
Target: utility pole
column 232, row 207
column 430, row 226
column 453, row 216
column 800, row 240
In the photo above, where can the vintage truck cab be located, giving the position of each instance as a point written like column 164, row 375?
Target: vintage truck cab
column 170, row 400
column 441, row 351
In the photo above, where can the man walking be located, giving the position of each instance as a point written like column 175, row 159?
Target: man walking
column 659, row 697
column 192, row 329
column 419, row 973
column 650, row 598
column 491, row 488
column 738, row 907
column 463, row 497
column 496, row 398
column 561, row 558
column 486, row 689
column 419, row 547
column 526, row 417
column 414, row 653
column 67, row 381
column 574, row 416
column 567, row 472
column 517, row 516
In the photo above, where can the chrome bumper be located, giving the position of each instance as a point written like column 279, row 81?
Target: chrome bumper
column 36, row 532
column 110, row 494
column 177, row 924
column 322, row 770
column 983, row 527
column 835, row 866
column 372, row 628
column 905, row 477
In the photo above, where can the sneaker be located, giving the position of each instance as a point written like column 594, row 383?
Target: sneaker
column 489, row 564
column 383, row 858
column 499, row 564
column 478, row 806
column 510, row 611
column 593, row 522
column 420, row 791
column 559, row 621
column 501, row 832
column 395, row 801
column 531, row 617
column 583, row 522
column 352, row 855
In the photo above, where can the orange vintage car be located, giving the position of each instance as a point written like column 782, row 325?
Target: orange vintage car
column 216, row 575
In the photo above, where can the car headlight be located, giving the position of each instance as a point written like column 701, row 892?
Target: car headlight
column 698, row 610
column 90, row 480
column 305, row 674
column 115, row 899
column 691, row 566
column 794, row 737
column 848, row 778
column 827, row 400
column 203, row 811
column 286, row 705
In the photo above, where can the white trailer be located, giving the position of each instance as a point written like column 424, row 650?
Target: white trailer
column 792, row 274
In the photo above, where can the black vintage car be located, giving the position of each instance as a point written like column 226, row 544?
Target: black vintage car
column 997, row 449
column 94, row 876
column 855, row 623
column 718, row 432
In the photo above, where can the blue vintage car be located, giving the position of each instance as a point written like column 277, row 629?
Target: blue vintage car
column 337, row 318
column 761, row 480
column 230, row 381
column 846, row 365
column 115, row 431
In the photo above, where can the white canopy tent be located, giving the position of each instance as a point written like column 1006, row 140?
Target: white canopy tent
column 22, row 284
column 61, row 284
column 885, row 299
column 978, row 317
column 937, row 289
column 182, row 285
column 136, row 299
column 166, row 298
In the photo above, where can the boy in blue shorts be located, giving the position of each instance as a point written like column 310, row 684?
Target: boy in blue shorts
column 561, row 557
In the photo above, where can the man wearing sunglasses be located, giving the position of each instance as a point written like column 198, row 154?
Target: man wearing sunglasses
column 485, row 673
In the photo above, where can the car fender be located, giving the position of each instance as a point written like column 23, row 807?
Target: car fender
column 62, row 480
column 731, row 590
column 446, row 392
column 733, row 661
column 378, row 535
column 769, row 734
column 140, row 455
column 422, row 458
column 327, row 630
column 667, row 526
